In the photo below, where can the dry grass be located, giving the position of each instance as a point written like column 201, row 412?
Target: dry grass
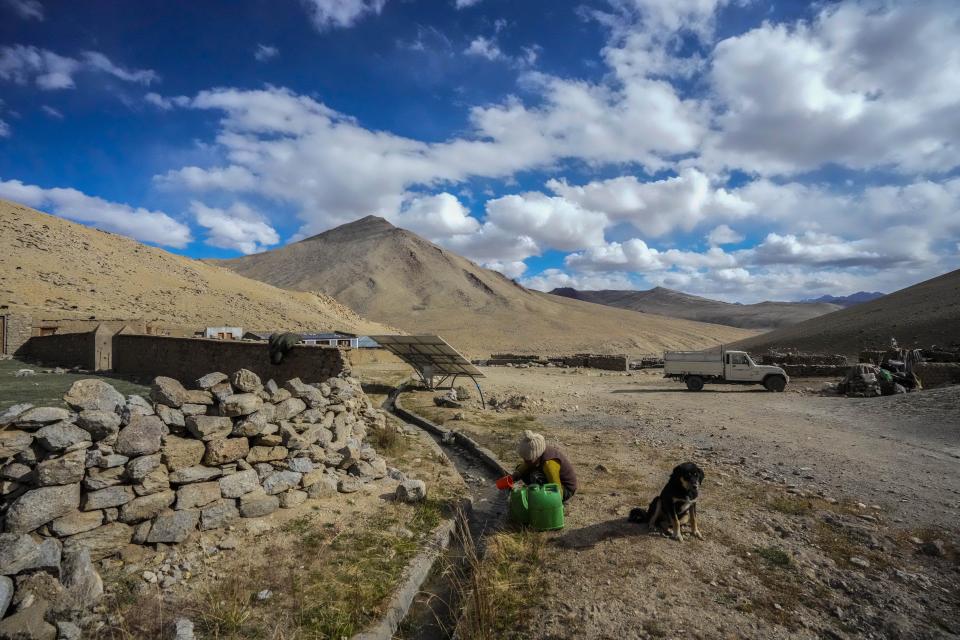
column 325, row 582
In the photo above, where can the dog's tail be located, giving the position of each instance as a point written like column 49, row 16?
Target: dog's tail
column 638, row 515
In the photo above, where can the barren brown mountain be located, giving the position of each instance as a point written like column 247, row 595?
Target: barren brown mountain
column 764, row 316
column 919, row 316
column 58, row 269
column 394, row 276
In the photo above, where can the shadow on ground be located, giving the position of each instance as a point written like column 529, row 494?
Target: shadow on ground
column 589, row 536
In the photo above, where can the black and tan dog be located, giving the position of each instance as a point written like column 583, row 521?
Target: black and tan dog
column 676, row 504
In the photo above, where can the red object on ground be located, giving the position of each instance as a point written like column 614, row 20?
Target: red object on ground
column 504, row 483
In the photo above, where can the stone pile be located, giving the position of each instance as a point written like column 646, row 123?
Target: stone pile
column 80, row 484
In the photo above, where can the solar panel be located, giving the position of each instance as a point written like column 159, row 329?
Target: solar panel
column 429, row 355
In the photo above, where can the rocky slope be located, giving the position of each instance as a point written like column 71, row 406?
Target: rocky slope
column 675, row 304
column 394, row 276
column 58, row 269
column 925, row 314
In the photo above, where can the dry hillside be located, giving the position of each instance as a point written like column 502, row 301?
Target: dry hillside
column 394, row 276
column 675, row 304
column 919, row 316
column 58, row 269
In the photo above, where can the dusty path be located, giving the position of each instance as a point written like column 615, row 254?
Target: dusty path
column 824, row 517
column 902, row 452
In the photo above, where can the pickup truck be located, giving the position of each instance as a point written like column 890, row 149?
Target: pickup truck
column 697, row 368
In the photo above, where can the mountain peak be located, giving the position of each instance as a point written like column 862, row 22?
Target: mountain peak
column 370, row 222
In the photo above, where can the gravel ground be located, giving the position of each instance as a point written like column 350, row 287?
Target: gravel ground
column 823, row 516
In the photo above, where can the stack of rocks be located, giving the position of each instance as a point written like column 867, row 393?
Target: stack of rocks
column 114, row 470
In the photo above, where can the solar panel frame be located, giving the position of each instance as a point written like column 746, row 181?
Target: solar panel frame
column 429, row 353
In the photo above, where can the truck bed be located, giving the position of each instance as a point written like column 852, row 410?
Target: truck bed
column 707, row 364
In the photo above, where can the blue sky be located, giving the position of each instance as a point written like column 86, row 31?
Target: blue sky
column 744, row 150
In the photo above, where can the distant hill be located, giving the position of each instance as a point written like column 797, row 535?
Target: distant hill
column 58, row 269
column 919, row 316
column 397, row 277
column 763, row 316
column 849, row 301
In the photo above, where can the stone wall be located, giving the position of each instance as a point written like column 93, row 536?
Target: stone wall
column 933, row 374
column 186, row 359
column 80, row 484
column 65, row 350
column 18, row 327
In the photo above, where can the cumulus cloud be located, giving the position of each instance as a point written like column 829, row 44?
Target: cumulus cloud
column 550, row 279
column 723, row 234
column 238, row 227
column 484, row 48
column 513, row 269
column 334, row 14
column 48, row 70
column 265, row 52
column 4, row 129
column 436, row 217
column 554, row 222
column 463, row 4
column 26, row 9
column 155, row 227
column 866, row 84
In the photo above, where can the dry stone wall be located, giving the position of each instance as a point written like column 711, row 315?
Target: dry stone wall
column 80, row 484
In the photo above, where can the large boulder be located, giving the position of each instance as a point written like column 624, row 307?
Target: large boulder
column 198, row 473
column 173, row 526
column 109, row 497
column 218, row 514
column 94, row 395
column 168, row 391
column 292, row 498
column 40, row 416
column 209, row 427
column 281, row 481
column 197, row 494
column 102, row 542
column 10, row 414
column 99, row 424
column 38, row 507
column 19, row 552
column 83, row 585
column 241, row 404
column 142, row 437
column 76, row 522
column 13, row 442
column 411, row 491
column 211, row 379
column 224, row 450
column 61, row 436
column 240, row 483
column 246, row 381
column 146, row 507
column 6, row 594
column 180, row 453
column 323, row 486
column 67, row 469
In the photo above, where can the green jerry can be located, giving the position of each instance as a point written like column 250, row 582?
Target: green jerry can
column 546, row 507
column 519, row 512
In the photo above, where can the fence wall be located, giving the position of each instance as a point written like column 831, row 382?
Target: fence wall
column 187, row 359
column 63, row 350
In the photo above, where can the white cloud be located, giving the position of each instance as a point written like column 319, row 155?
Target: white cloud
column 239, row 227
column 50, row 111
column 553, row 222
column 265, row 52
column 4, row 129
column 100, row 62
column 49, row 70
column 866, row 84
column 723, row 234
column 551, row 279
column 484, row 48
column 232, row 178
column 463, row 4
column 147, row 226
column 512, row 269
column 165, row 103
column 435, row 217
column 26, row 9
column 332, row 14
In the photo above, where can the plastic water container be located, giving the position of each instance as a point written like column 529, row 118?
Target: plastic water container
column 519, row 511
column 546, row 507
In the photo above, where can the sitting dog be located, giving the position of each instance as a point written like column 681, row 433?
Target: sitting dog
column 676, row 504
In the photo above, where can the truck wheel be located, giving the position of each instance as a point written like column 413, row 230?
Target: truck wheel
column 694, row 383
column 775, row 383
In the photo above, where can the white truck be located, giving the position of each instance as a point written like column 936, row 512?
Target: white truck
column 697, row 368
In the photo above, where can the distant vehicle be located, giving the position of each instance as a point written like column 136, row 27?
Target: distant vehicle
column 697, row 368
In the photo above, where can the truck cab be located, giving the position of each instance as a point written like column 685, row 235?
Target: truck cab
column 697, row 368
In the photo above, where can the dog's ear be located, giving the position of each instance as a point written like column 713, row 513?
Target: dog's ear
column 701, row 474
column 677, row 472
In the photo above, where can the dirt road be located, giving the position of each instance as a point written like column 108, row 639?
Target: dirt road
column 823, row 517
